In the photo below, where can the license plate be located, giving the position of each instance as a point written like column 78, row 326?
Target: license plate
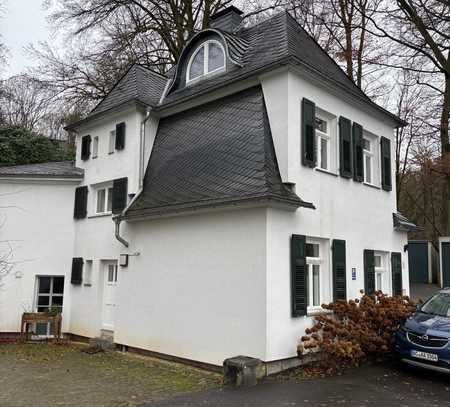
column 424, row 355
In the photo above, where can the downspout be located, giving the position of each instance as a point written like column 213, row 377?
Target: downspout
column 118, row 219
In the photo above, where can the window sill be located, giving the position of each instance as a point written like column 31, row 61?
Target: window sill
column 326, row 171
column 314, row 312
column 371, row 185
column 100, row 215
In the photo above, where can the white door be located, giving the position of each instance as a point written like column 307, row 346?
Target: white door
column 109, row 294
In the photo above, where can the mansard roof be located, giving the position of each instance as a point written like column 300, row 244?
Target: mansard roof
column 201, row 158
column 59, row 169
column 277, row 41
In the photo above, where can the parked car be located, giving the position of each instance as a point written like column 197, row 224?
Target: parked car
column 424, row 338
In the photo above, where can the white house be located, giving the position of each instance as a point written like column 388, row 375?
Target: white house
column 220, row 205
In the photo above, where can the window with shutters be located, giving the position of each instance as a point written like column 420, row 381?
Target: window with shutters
column 371, row 159
column 95, row 147
column 112, row 142
column 325, row 133
column 382, row 272
column 318, row 274
column 103, row 199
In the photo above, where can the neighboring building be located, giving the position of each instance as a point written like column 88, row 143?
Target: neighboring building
column 248, row 187
column 423, row 261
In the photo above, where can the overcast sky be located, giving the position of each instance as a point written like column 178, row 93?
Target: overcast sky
column 23, row 22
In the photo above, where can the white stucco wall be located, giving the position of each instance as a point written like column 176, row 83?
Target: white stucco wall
column 36, row 220
column 197, row 289
column 94, row 236
column 355, row 212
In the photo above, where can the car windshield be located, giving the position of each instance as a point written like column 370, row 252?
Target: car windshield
column 438, row 305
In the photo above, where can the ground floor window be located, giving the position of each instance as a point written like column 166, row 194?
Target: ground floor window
column 316, row 267
column 49, row 296
column 382, row 275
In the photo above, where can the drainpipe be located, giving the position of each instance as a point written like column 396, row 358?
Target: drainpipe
column 117, row 221
column 118, row 218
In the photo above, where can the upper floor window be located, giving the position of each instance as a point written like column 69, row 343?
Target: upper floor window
column 104, row 200
column 368, row 160
column 95, row 147
column 112, row 141
column 371, row 159
column 208, row 58
column 323, row 143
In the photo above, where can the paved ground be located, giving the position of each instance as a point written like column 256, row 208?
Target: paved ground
column 423, row 291
column 390, row 386
column 41, row 375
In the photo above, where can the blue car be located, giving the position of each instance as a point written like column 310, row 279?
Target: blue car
column 424, row 338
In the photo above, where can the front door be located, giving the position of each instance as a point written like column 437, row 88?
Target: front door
column 445, row 264
column 109, row 294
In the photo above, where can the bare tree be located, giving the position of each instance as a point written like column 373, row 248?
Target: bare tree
column 24, row 101
column 104, row 37
column 422, row 29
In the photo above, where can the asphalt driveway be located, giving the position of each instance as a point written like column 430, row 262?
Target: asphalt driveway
column 384, row 386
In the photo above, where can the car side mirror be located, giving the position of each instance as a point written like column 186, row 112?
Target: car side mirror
column 418, row 307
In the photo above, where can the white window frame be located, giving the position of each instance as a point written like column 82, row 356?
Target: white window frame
column 108, row 199
column 206, row 72
column 332, row 142
column 382, row 273
column 368, row 154
column 374, row 155
column 320, row 135
column 95, row 147
column 323, row 262
column 112, row 142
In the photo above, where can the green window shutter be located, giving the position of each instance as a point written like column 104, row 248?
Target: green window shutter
column 358, row 157
column 386, row 175
column 396, row 267
column 369, row 272
column 80, row 206
column 120, row 136
column 309, row 153
column 85, row 147
column 298, row 275
column 339, row 271
column 345, row 148
column 119, row 195
column 77, row 271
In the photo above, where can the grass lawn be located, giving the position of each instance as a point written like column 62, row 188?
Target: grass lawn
column 43, row 375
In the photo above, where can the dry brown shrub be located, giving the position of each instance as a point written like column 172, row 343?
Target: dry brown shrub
column 356, row 330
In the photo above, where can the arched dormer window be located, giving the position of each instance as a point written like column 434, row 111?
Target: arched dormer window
column 208, row 58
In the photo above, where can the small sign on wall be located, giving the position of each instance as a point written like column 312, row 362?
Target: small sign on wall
column 353, row 273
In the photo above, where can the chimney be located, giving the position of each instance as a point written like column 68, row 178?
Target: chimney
column 227, row 19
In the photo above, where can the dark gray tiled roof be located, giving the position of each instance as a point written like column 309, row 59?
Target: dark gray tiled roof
column 138, row 84
column 214, row 154
column 279, row 40
column 59, row 169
